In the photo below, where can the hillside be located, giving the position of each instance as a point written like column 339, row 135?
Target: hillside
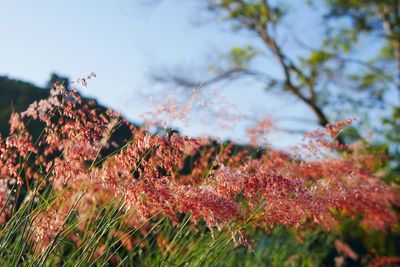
column 17, row 95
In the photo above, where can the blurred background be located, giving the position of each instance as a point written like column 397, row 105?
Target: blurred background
column 227, row 64
column 143, row 51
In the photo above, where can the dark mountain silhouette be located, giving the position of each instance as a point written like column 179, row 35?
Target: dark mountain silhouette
column 17, row 95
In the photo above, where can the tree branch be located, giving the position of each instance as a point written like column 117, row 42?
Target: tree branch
column 227, row 75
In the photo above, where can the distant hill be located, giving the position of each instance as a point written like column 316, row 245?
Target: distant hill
column 17, row 95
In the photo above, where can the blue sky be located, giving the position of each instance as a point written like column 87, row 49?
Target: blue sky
column 123, row 42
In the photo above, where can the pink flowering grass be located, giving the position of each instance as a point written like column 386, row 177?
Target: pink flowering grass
column 109, row 201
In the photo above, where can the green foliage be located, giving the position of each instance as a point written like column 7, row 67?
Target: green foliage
column 392, row 124
column 284, row 247
column 248, row 13
column 318, row 57
column 240, row 57
column 363, row 13
column 387, row 52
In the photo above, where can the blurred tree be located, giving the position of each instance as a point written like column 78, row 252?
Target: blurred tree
column 375, row 20
column 380, row 18
column 340, row 70
column 54, row 77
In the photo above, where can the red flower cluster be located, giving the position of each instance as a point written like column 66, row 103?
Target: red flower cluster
column 148, row 174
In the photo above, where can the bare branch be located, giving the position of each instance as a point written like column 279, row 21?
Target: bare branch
column 232, row 74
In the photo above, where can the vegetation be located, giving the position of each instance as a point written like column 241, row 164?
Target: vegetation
column 75, row 197
column 82, row 186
